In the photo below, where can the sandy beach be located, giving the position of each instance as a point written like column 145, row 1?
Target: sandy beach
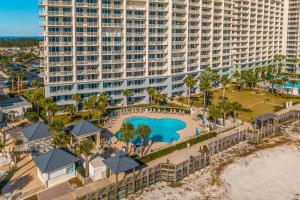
column 269, row 169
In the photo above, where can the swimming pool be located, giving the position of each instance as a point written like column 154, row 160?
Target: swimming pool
column 289, row 84
column 163, row 130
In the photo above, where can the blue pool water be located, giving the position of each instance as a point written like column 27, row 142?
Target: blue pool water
column 163, row 130
column 288, row 84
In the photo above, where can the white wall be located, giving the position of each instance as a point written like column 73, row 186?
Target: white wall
column 56, row 177
column 97, row 173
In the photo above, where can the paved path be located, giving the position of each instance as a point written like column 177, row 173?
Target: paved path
column 55, row 192
column 25, row 178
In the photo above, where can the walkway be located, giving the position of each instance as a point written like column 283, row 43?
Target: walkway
column 25, row 178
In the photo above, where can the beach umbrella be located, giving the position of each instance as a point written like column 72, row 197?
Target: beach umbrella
column 203, row 120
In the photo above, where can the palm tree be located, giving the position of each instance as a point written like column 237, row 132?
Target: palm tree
column 71, row 110
column 143, row 131
column 33, row 83
column 90, row 105
column 53, row 109
column 240, row 82
column 295, row 62
column 214, row 112
column 205, row 87
column 60, row 139
column 127, row 93
column 190, row 82
column 85, row 147
column 236, row 75
column 56, row 125
column 159, row 97
column 151, row 92
column 273, row 82
column 279, row 59
column 76, row 98
column 101, row 105
column 279, row 82
column 224, row 81
column 126, row 133
column 235, row 107
column 47, row 103
column 224, row 107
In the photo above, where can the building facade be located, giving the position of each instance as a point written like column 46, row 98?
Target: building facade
column 94, row 46
column 293, row 37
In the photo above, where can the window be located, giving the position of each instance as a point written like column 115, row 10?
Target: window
column 70, row 169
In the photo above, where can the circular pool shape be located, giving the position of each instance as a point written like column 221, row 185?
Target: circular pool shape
column 162, row 130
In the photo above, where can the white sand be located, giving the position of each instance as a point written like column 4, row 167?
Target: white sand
column 272, row 173
column 268, row 174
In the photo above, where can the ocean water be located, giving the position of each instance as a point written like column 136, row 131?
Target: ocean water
column 163, row 130
column 17, row 37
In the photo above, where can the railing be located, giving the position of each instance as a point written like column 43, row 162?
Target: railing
column 21, row 195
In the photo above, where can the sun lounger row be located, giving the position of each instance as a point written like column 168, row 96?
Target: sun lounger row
column 117, row 113
column 170, row 111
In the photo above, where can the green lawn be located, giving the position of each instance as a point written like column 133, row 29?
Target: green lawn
column 66, row 119
column 253, row 103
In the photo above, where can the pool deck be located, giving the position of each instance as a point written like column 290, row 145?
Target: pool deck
column 185, row 133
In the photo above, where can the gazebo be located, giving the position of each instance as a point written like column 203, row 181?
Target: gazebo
column 84, row 129
column 36, row 135
column 120, row 163
column 262, row 120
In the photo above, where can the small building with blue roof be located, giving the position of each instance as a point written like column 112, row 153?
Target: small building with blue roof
column 56, row 166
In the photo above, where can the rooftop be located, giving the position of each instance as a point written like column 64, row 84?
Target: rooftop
column 13, row 102
column 97, row 162
column 121, row 163
column 36, row 131
column 54, row 159
column 83, row 128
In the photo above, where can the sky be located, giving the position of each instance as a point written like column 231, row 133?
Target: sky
column 19, row 18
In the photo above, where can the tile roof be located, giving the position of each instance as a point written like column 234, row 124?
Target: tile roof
column 83, row 128
column 120, row 162
column 54, row 159
column 36, row 131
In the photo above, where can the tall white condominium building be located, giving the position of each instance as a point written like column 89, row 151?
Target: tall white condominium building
column 94, row 46
column 293, row 35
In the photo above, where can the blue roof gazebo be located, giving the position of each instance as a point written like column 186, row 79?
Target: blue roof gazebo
column 84, row 129
column 119, row 163
column 36, row 131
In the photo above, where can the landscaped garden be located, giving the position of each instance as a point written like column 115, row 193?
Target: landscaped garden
column 254, row 102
